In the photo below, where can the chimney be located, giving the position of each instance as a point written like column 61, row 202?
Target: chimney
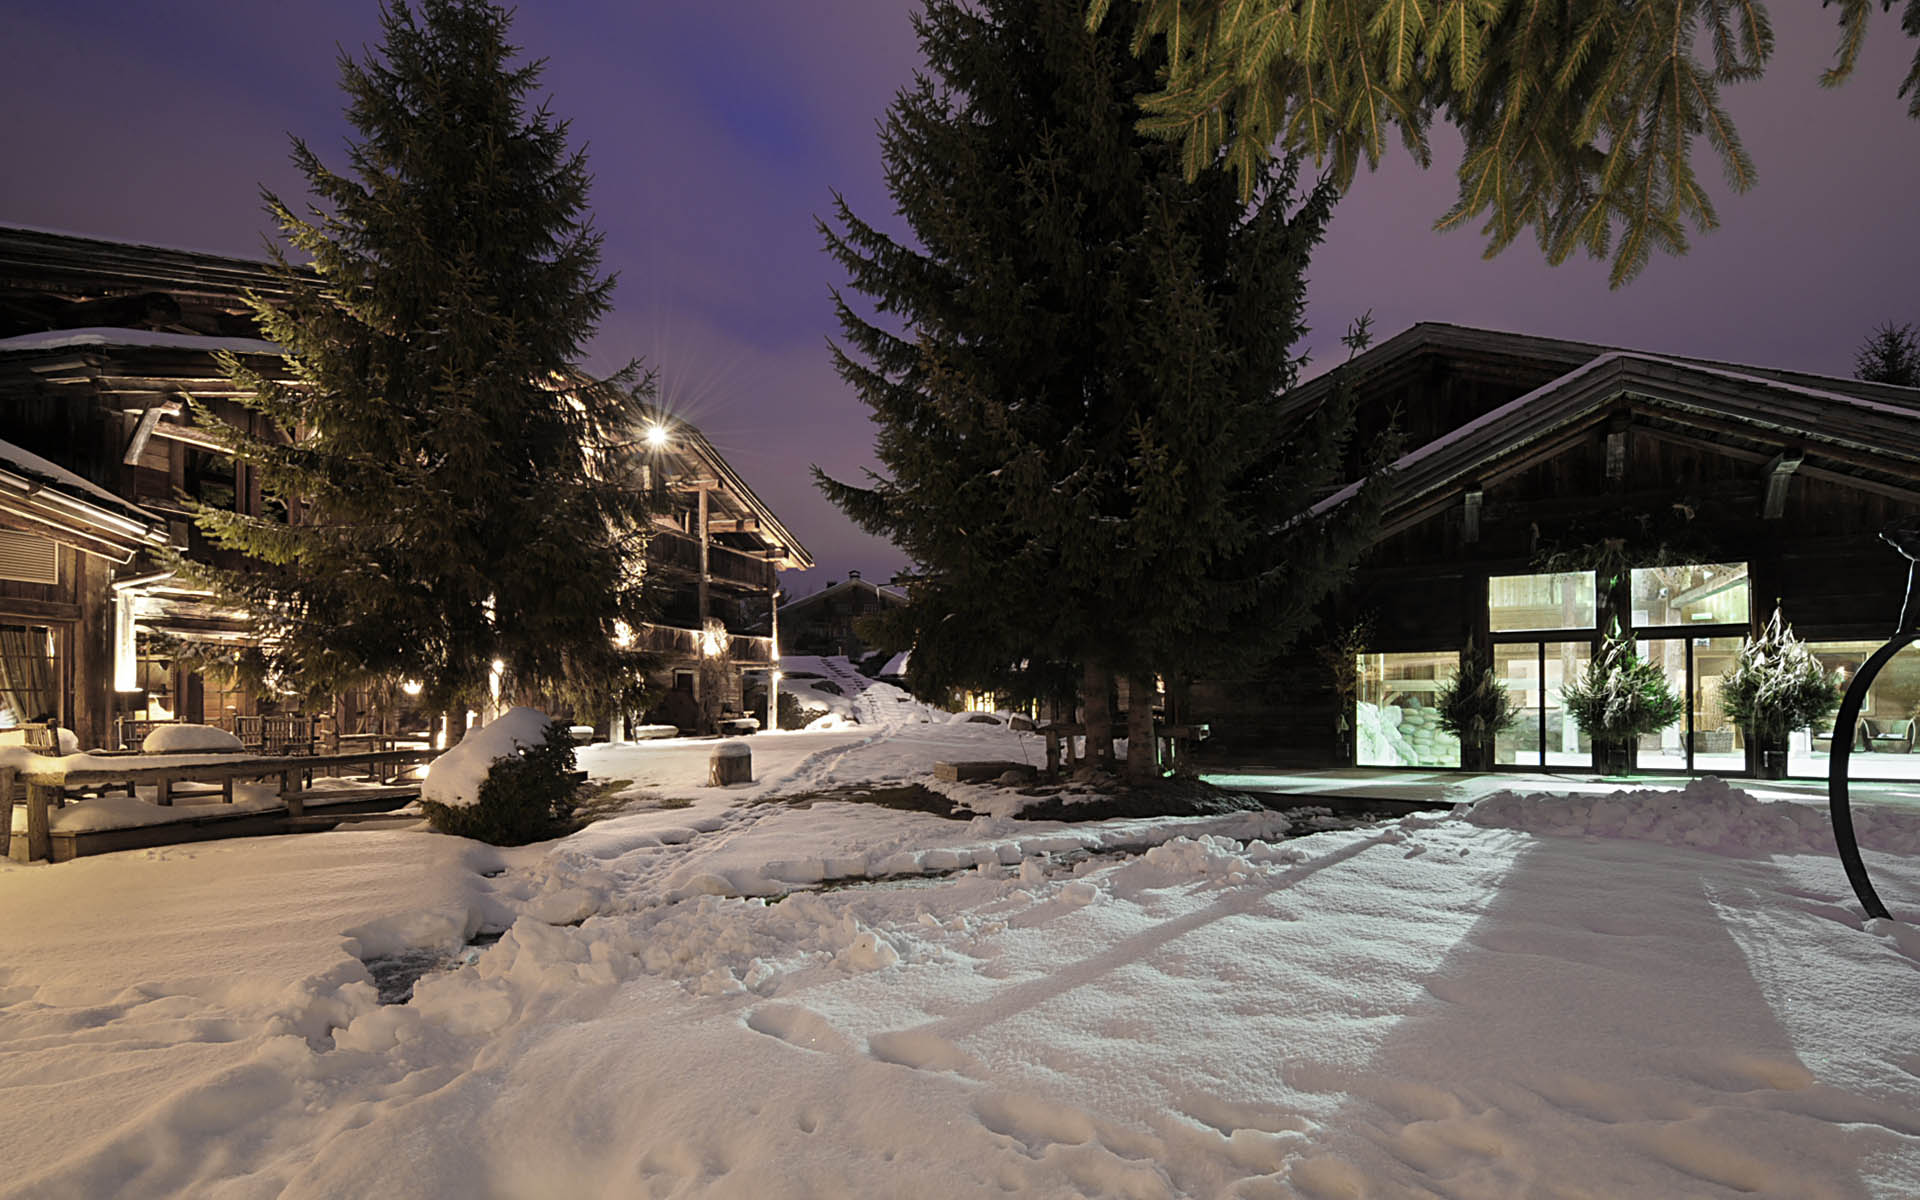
column 852, row 575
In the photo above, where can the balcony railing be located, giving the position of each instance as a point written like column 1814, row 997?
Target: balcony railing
column 670, row 641
column 724, row 565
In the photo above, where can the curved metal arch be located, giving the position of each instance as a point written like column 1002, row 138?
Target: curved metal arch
column 1841, row 751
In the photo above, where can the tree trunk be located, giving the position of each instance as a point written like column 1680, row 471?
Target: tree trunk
column 1143, row 749
column 456, row 724
column 1096, row 683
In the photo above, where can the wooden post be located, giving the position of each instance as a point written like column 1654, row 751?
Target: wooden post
column 39, row 839
column 290, row 796
column 163, row 791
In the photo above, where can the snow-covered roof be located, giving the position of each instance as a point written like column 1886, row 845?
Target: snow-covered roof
column 69, row 509
column 58, row 339
column 1797, row 409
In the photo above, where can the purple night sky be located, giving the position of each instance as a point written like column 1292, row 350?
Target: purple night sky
column 715, row 133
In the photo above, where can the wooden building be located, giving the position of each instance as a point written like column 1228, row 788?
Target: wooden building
column 1548, row 490
column 107, row 382
column 824, row 621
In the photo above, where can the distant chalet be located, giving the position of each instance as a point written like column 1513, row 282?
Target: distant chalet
column 1544, row 490
column 108, row 384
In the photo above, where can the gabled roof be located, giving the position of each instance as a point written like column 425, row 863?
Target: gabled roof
column 693, row 452
column 1465, row 341
column 855, row 583
column 1867, row 435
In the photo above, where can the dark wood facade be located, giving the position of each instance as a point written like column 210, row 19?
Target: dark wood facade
column 1524, row 456
column 108, row 372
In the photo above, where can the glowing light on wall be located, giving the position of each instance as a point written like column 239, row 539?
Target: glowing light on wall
column 657, row 436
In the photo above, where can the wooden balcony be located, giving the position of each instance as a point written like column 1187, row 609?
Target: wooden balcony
column 725, row 566
column 671, row 642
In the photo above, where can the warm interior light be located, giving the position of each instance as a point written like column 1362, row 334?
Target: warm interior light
column 657, row 436
column 411, row 687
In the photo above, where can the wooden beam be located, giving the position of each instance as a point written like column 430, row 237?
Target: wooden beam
column 143, row 432
column 1470, row 519
column 187, row 434
column 1779, row 473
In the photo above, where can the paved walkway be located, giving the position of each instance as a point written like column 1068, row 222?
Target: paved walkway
column 1436, row 788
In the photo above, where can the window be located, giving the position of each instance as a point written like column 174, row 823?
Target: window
column 1884, row 749
column 1560, row 601
column 1701, row 594
column 1395, row 722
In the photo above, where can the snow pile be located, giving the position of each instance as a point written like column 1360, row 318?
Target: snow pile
column 455, row 777
column 1708, row 814
column 190, row 739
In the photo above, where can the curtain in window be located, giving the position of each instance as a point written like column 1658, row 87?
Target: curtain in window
column 26, row 672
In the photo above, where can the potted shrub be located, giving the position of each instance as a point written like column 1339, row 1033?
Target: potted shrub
column 1775, row 687
column 1474, row 706
column 1619, row 698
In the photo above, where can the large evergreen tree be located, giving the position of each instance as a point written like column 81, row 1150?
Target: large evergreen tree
column 446, row 483
column 1579, row 119
column 1077, row 370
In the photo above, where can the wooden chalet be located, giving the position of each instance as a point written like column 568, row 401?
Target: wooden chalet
column 1546, row 491
column 107, row 377
column 823, row 622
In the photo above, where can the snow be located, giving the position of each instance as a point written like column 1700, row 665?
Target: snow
column 1617, row 993
column 188, row 738
column 454, row 778
column 12, row 456
column 60, row 339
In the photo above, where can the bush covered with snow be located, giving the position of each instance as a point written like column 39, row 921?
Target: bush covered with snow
column 509, row 783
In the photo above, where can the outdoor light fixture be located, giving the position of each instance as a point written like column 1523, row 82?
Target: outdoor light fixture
column 657, row 436
column 710, row 644
column 411, row 687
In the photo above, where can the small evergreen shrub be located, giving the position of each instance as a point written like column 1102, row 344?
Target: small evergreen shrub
column 1473, row 703
column 1777, row 685
column 793, row 714
column 1620, row 695
column 525, row 798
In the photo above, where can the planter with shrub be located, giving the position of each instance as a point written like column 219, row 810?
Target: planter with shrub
column 1618, row 699
column 1777, row 686
column 1474, row 706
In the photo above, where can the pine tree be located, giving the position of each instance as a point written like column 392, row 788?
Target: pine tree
column 1078, row 410
column 1579, row 119
column 1891, row 354
column 445, row 483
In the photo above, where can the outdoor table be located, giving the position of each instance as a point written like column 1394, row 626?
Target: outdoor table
column 49, row 779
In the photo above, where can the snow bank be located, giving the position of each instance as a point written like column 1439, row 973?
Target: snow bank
column 455, row 777
column 189, row 739
column 1708, row 814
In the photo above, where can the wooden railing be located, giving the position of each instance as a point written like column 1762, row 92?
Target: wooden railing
column 670, row 641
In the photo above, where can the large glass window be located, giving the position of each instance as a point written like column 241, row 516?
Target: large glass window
column 1718, row 745
column 1395, row 722
column 1517, row 665
column 1883, row 745
column 1666, row 749
column 1544, row 734
column 1561, row 601
column 1565, row 745
column 1701, row 594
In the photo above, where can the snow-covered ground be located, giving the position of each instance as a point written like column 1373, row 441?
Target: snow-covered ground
column 1623, row 994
